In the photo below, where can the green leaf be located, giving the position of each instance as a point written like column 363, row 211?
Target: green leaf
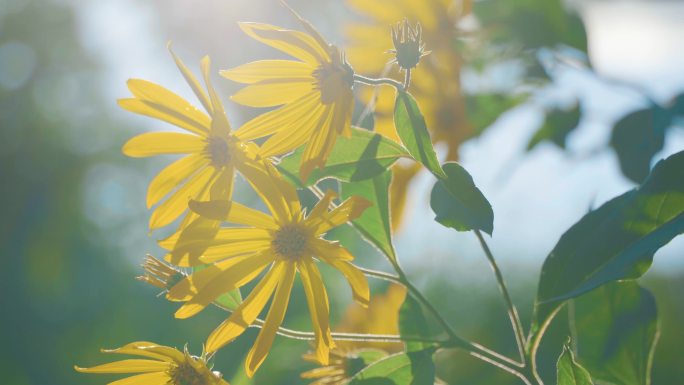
column 412, row 323
column 412, row 368
column 230, row 300
column 569, row 372
column 413, row 132
column 362, row 156
column 616, row 241
column 637, row 137
column 374, row 223
column 616, row 328
column 459, row 204
column 559, row 123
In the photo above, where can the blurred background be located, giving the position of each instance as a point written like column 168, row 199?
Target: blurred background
column 554, row 107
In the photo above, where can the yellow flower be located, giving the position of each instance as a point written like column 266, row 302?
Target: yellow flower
column 436, row 80
column 212, row 151
column 349, row 357
column 314, row 92
column 166, row 366
column 284, row 243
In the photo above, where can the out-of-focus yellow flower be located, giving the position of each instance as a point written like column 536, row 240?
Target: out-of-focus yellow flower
column 212, row 151
column 285, row 242
column 314, row 92
column 164, row 366
column 349, row 357
column 436, row 80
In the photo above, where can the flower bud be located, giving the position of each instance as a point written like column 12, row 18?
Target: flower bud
column 408, row 46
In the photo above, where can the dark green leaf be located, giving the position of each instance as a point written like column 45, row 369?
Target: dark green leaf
column 637, row 137
column 230, row 300
column 558, row 124
column 412, row 323
column 374, row 223
column 569, row 372
column 616, row 327
column 413, row 132
column 459, row 204
column 616, row 241
column 412, row 368
column 362, row 156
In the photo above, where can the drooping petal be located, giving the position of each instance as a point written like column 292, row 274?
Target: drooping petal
column 148, row 349
column 330, row 249
column 158, row 378
column 173, row 175
column 357, row 280
column 192, row 81
column 261, row 70
column 323, row 204
column 280, row 119
column 278, row 195
column 177, row 203
column 170, row 104
column 233, row 212
column 317, row 299
column 296, row 135
column 230, row 279
column 271, row 93
column 349, row 210
column 219, row 121
column 247, row 312
column 158, row 143
column 157, row 111
column 128, row 366
column 275, row 317
column 320, row 145
column 294, row 43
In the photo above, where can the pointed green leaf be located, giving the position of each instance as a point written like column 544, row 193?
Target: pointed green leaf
column 412, row 368
column 616, row 241
column 374, row 223
column 459, row 204
column 616, row 328
column 362, row 156
column 413, row 132
column 412, row 323
column 569, row 372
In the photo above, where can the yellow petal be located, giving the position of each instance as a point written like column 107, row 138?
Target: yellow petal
column 219, row 122
column 279, row 196
column 230, row 279
column 177, row 203
column 281, row 119
column 189, row 286
column 258, row 71
column 149, row 349
column 233, row 212
column 317, row 299
column 321, row 208
column 199, row 229
column 128, row 366
column 357, row 280
column 294, row 43
column 294, row 136
column 247, row 312
column 271, row 93
column 275, row 317
column 159, row 378
column 330, row 249
column 229, row 250
column 320, row 145
column 157, row 143
column 349, row 210
column 167, row 103
column 192, row 81
column 173, row 175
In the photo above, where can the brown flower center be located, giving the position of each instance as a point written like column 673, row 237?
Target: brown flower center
column 290, row 241
column 186, row 374
column 218, row 151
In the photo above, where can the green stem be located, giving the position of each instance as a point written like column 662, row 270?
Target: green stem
column 512, row 311
column 407, row 79
column 379, row 81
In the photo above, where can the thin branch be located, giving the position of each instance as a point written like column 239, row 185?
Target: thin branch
column 512, row 311
column 379, row 81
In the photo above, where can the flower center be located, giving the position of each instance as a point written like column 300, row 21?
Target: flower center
column 333, row 78
column 290, row 241
column 218, row 151
column 185, row 374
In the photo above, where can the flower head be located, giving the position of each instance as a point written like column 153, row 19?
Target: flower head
column 159, row 274
column 164, row 366
column 408, row 45
column 211, row 151
column 314, row 94
column 283, row 244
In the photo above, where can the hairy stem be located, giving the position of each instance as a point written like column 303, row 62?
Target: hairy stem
column 512, row 311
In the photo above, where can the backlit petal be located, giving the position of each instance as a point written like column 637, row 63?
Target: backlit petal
column 128, row 366
column 158, row 143
column 258, row 71
column 247, row 312
column 173, row 175
column 296, row 135
column 233, row 212
column 177, row 203
column 283, row 118
column 192, row 81
column 219, row 122
column 317, row 299
column 148, row 349
column 330, row 249
column 278, row 195
column 319, row 146
column 294, row 43
column 159, row 378
column 271, row 93
column 349, row 210
column 357, row 280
